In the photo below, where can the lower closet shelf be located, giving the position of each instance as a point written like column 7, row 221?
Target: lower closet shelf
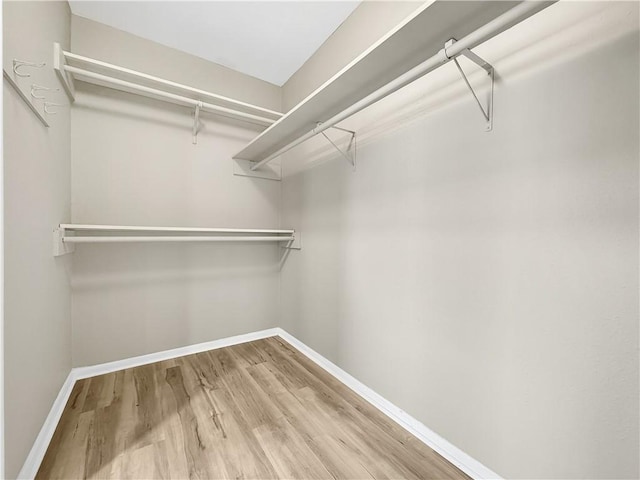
column 65, row 235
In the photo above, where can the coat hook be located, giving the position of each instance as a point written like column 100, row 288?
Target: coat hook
column 19, row 63
column 51, row 104
column 35, row 88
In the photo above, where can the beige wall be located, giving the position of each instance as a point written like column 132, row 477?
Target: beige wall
column 37, row 331
column 366, row 24
column 133, row 163
column 111, row 45
column 487, row 283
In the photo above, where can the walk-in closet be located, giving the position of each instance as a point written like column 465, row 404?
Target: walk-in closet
column 320, row 239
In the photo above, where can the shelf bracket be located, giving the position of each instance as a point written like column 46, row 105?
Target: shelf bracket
column 295, row 244
column 350, row 153
column 65, row 78
column 59, row 246
column 196, row 123
column 488, row 112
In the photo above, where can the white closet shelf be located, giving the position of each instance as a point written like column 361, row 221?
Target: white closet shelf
column 64, row 243
column 71, row 67
column 409, row 51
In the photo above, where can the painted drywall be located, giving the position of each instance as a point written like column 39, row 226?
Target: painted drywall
column 133, row 163
column 111, row 45
column 487, row 283
column 37, row 329
column 338, row 50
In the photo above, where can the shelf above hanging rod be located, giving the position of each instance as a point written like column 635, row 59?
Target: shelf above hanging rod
column 409, row 51
column 71, row 67
column 64, row 243
column 136, row 228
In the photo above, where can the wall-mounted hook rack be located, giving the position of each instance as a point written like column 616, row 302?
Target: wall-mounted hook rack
column 35, row 88
column 18, row 64
column 488, row 113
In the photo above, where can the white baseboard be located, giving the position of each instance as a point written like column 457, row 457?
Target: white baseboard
column 34, row 459
column 453, row 454
column 464, row 462
column 32, row 463
column 101, row 369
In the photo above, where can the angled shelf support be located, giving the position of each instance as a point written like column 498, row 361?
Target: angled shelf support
column 350, row 153
column 244, row 168
column 488, row 112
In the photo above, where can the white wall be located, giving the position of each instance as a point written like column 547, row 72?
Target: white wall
column 133, row 163
column 487, row 283
column 37, row 330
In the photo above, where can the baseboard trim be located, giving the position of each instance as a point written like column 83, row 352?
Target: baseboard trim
column 453, row 454
column 460, row 459
column 101, row 369
column 32, row 463
column 34, row 459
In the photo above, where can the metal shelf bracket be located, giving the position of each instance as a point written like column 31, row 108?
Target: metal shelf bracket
column 350, row 153
column 488, row 113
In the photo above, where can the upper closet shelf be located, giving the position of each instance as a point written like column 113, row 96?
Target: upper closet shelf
column 409, row 51
column 71, row 67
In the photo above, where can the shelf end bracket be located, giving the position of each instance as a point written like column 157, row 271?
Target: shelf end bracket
column 59, row 246
column 295, row 244
column 65, row 78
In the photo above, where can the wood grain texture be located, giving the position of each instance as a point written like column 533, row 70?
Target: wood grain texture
column 258, row 410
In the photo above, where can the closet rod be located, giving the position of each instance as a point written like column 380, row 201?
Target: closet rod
column 171, row 97
column 133, row 73
column 134, row 228
column 490, row 29
column 221, row 238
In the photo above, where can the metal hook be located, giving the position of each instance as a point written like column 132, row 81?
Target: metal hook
column 196, row 122
column 35, row 88
column 19, row 63
column 51, row 104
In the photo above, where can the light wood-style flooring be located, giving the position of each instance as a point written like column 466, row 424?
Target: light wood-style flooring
column 257, row 410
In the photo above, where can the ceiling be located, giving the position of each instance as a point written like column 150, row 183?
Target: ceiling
column 264, row 39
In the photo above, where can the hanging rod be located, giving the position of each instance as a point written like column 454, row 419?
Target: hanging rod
column 187, row 96
column 136, row 228
column 64, row 243
column 499, row 24
column 175, row 238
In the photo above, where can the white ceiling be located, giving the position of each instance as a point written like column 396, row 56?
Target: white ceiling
column 268, row 40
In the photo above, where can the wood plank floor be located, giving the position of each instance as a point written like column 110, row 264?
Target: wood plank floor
column 257, row 410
